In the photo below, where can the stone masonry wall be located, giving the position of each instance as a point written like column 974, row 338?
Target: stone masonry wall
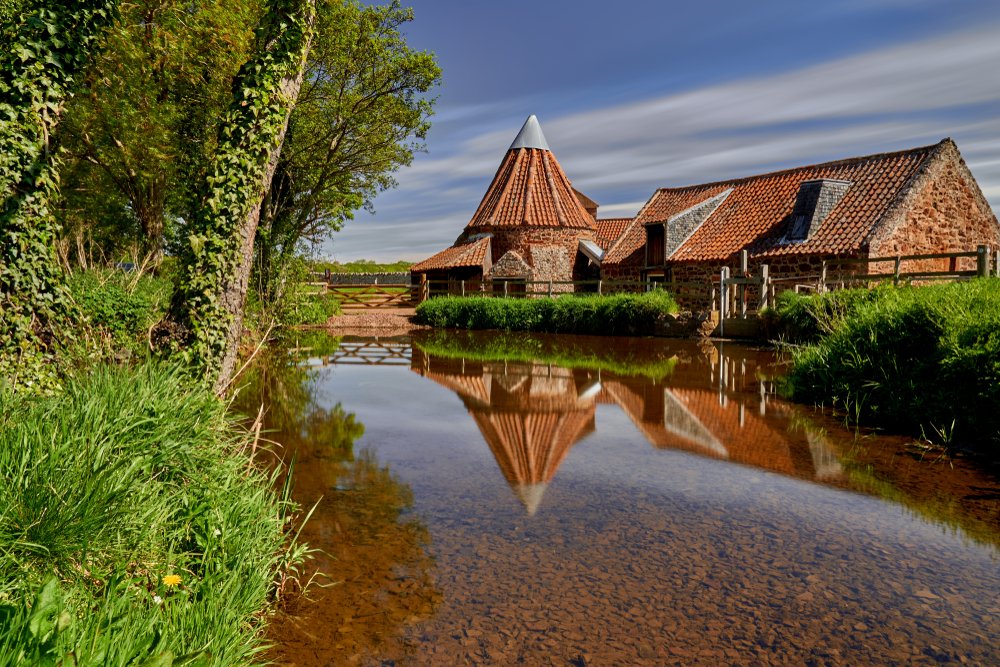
column 945, row 211
column 557, row 248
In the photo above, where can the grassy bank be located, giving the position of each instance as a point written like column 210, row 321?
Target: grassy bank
column 922, row 360
column 133, row 527
column 519, row 347
column 619, row 314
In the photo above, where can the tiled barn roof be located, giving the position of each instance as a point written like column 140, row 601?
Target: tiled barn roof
column 466, row 254
column 757, row 214
column 609, row 229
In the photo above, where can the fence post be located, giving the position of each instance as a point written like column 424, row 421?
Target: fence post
column 505, row 284
column 982, row 266
column 996, row 263
column 599, row 284
column 550, row 289
column 463, row 288
column 765, row 285
column 895, row 270
column 723, row 292
column 822, row 278
column 422, row 294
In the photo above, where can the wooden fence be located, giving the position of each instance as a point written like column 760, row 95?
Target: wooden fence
column 735, row 293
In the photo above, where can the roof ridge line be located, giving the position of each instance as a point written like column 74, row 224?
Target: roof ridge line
column 831, row 163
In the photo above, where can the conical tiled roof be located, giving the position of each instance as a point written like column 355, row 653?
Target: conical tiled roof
column 530, row 189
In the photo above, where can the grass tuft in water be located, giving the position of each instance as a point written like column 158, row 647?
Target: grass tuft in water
column 912, row 359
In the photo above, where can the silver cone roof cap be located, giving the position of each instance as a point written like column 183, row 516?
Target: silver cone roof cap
column 530, row 135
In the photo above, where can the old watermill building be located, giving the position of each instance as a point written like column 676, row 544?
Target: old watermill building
column 532, row 225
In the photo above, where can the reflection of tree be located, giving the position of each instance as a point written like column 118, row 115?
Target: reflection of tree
column 377, row 571
column 293, row 416
column 373, row 570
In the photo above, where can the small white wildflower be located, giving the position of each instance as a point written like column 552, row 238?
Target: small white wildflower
column 217, row 532
column 157, row 599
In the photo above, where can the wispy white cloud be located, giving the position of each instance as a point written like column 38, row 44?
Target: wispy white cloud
column 897, row 97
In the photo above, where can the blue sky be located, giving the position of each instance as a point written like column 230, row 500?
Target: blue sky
column 636, row 95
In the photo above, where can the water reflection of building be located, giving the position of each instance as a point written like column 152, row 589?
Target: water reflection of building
column 530, row 414
column 716, row 405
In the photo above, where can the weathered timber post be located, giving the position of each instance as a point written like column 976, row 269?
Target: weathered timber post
column 982, row 265
column 422, row 291
column 895, row 270
column 463, row 287
column 550, row 289
column 599, row 284
column 765, row 285
column 723, row 293
column 505, row 283
column 744, row 271
column 821, row 286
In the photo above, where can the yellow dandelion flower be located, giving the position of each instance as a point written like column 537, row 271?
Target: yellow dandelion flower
column 171, row 580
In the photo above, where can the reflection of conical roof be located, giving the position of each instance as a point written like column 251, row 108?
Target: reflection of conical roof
column 530, row 414
column 529, row 447
column 530, row 189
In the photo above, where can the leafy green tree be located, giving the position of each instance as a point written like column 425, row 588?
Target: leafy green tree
column 210, row 301
column 361, row 115
column 49, row 45
column 142, row 130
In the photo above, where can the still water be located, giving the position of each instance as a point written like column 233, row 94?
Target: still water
column 501, row 499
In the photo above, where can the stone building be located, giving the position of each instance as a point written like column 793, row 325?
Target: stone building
column 918, row 201
column 531, row 225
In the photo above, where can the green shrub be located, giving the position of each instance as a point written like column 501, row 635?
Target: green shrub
column 806, row 317
column 121, row 306
column 924, row 360
column 125, row 478
column 619, row 314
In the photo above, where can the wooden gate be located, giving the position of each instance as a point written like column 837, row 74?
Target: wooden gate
column 398, row 295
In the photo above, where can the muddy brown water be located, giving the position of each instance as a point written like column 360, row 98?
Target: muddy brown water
column 614, row 502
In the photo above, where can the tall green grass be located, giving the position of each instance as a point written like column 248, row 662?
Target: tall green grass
column 619, row 314
column 127, row 477
column 924, row 360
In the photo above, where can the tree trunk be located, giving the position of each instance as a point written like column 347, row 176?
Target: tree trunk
column 213, row 291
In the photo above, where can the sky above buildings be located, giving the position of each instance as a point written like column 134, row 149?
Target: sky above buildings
column 640, row 94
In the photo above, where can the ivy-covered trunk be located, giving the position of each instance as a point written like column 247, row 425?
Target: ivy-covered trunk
column 51, row 45
column 212, row 294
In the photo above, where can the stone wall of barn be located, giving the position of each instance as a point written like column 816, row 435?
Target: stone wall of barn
column 551, row 251
column 943, row 211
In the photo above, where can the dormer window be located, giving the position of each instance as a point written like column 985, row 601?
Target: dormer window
column 800, row 228
column 813, row 203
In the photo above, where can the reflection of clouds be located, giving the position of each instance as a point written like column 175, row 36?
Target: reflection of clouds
column 894, row 98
